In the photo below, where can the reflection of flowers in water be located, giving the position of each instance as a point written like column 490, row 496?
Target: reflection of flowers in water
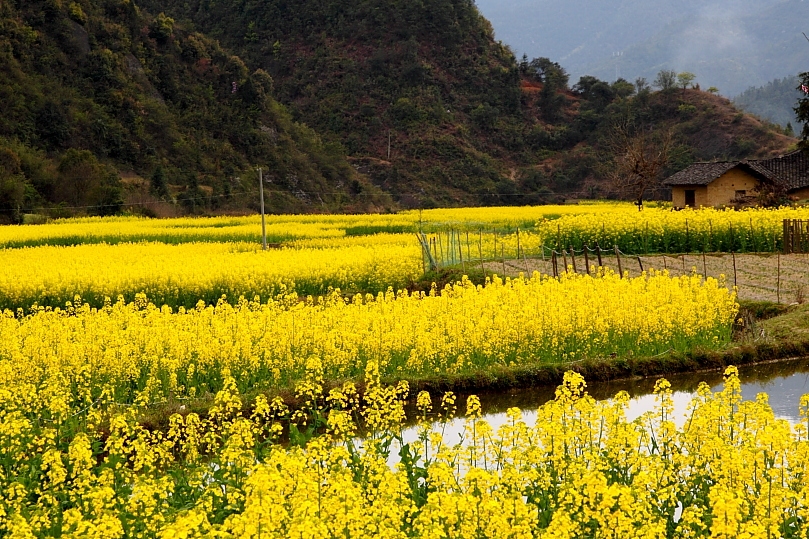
column 785, row 397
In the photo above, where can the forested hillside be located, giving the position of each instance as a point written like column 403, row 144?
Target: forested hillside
column 96, row 89
column 465, row 120
column 775, row 101
column 168, row 106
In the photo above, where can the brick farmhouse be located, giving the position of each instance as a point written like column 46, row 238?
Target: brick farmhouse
column 739, row 183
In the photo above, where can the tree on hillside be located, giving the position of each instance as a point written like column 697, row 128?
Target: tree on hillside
column 12, row 185
column 802, row 108
column 87, row 184
column 665, row 80
column 641, row 85
column 158, row 183
column 635, row 159
column 685, row 78
column 554, row 79
column 596, row 92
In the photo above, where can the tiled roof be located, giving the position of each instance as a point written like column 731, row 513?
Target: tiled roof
column 791, row 170
column 700, row 173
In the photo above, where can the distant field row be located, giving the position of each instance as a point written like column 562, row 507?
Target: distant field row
column 182, row 275
column 282, row 228
column 653, row 230
column 181, row 261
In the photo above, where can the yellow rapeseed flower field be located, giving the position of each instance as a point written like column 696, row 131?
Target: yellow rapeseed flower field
column 280, row 228
column 79, row 459
column 658, row 230
column 203, row 258
column 183, row 274
column 127, row 348
column 75, row 467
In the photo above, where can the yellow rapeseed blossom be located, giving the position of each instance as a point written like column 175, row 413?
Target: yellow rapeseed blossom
column 581, row 470
column 183, row 274
column 137, row 350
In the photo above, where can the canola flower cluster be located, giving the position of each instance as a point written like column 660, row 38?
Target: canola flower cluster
column 279, row 228
column 70, row 467
column 180, row 275
column 125, row 349
column 187, row 259
column 659, row 230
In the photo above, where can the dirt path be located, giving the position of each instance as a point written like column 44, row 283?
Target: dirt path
column 756, row 275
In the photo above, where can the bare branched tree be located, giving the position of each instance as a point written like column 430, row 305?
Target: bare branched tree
column 635, row 158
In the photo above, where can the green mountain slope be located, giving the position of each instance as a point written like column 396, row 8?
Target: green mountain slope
column 429, row 108
column 775, row 101
column 95, row 88
column 436, row 111
column 410, row 73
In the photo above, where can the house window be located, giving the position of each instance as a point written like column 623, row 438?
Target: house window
column 690, row 197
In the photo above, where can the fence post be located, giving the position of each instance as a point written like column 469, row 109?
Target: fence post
column 553, row 264
column 573, row 259
column 558, row 236
column 503, row 256
column 778, row 282
column 733, row 254
column 803, row 231
column 460, row 252
column 586, row 259
column 618, row 256
column 787, row 237
column 598, row 254
column 441, row 247
column 732, row 239
column 564, row 259
column 640, row 263
column 687, row 237
column 480, row 255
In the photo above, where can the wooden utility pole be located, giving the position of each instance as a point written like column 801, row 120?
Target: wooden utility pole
column 261, row 196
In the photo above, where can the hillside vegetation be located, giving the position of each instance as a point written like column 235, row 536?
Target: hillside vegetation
column 96, row 88
column 184, row 99
column 775, row 101
column 467, row 122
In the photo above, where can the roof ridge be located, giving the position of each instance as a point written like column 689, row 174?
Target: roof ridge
column 790, row 170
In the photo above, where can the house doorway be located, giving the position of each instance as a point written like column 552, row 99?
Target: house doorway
column 690, row 198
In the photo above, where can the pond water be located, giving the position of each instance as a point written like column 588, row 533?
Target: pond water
column 784, row 381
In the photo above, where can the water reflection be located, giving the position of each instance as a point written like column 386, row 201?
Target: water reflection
column 784, row 381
